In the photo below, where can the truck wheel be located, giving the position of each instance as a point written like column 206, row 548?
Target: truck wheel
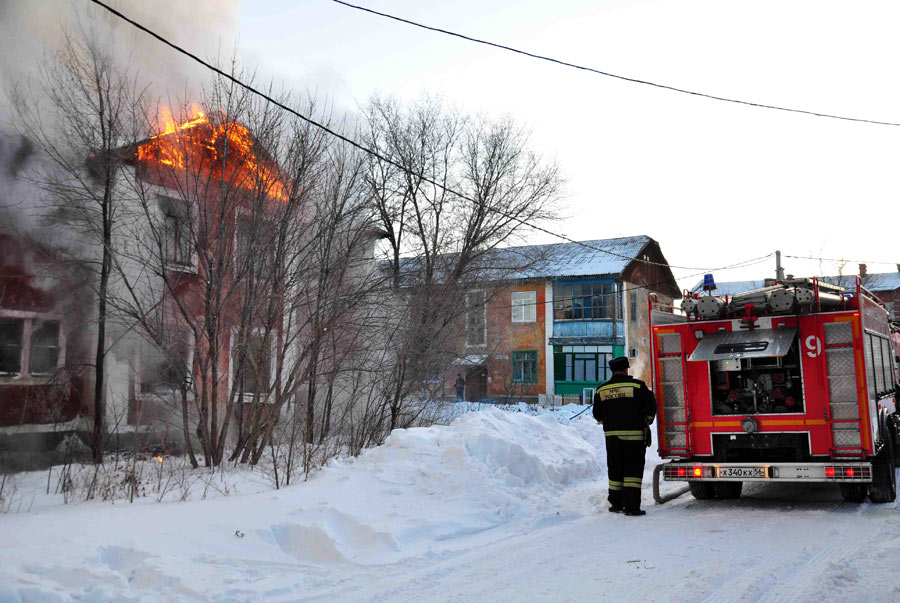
column 701, row 490
column 728, row 489
column 895, row 437
column 884, row 479
column 854, row 493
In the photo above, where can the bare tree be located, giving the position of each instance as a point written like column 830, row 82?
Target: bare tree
column 449, row 190
column 85, row 106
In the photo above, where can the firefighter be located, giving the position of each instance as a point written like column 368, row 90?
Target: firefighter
column 625, row 407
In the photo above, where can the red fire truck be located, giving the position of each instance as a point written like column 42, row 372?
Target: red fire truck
column 794, row 382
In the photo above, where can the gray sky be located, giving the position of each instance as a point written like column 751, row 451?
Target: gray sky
column 714, row 183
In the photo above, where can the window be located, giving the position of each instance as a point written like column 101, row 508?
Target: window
column 251, row 366
column 633, row 311
column 254, row 241
column 524, row 365
column 44, row 347
column 11, row 346
column 176, row 232
column 476, row 324
column 29, row 346
column 524, row 306
column 586, row 301
column 165, row 370
column 581, row 364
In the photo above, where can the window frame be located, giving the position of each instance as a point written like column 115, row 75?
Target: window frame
column 471, row 308
column 25, row 355
column 188, row 341
column 267, row 256
column 181, row 253
column 568, row 361
column 572, row 298
column 524, row 356
column 249, row 397
column 527, row 301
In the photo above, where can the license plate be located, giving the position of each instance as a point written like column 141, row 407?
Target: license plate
column 741, row 472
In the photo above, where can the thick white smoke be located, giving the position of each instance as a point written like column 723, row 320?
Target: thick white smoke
column 33, row 30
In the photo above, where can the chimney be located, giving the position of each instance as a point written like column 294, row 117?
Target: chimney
column 862, row 269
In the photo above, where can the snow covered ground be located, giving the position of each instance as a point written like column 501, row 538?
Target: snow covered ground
column 497, row 506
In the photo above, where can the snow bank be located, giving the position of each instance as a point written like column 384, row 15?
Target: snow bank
column 426, row 491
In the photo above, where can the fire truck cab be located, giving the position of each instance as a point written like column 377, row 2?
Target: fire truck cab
column 794, row 382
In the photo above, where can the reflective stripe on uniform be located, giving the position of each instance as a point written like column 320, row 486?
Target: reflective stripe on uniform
column 614, row 385
column 626, row 433
column 616, row 391
column 632, row 482
column 615, row 485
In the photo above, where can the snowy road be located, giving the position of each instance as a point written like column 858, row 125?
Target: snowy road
column 778, row 543
column 496, row 507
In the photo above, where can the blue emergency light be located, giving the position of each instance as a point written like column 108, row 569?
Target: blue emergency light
column 708, row 282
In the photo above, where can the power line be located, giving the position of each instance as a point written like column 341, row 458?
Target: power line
column 647, row 287
column 369, row 151
column 613, row 75
column 801, row 257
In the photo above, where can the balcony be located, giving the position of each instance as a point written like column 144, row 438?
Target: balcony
column 588, row 332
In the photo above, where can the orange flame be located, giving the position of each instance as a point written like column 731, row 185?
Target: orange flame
column 158, row 459
column 196, row 142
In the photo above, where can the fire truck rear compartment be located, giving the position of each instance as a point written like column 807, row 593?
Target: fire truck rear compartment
column 753, row 372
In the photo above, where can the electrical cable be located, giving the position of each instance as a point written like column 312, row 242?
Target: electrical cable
column 613, row 75
column 801, row 257
column 369, row 151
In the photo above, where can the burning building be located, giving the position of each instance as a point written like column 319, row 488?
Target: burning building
column 193, row 320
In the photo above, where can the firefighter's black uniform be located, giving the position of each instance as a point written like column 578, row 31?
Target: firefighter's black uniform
column 626, row 407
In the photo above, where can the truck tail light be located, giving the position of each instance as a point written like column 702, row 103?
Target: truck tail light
column 698, row 471
column 682, row 472
column 854, row 472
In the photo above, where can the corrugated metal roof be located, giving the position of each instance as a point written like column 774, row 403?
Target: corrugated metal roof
column 600, row 257
column 886, row 281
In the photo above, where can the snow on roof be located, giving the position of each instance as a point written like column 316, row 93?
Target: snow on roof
column 600, row 257
column 886, row 281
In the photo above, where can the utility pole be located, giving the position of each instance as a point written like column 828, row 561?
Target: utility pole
column 779, row 271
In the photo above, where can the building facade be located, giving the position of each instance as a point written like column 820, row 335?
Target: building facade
column 550, row 329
